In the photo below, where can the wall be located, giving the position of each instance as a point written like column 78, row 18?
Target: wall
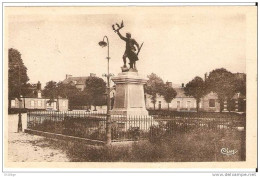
column 63, row 104
column 13, row 122
column 41, row 103
column 184, row 105
column 205, row 102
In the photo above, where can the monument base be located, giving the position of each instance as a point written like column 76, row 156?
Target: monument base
column 129, row 97
column 129, row 122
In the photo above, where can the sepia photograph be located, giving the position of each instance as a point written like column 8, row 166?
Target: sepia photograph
column 171, row 84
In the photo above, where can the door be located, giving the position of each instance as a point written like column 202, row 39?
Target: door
column 188, row 105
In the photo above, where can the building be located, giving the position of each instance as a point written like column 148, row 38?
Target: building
column 79, row 82
column 183, row 102
column 41, row 104
column 180, row 103
column 38, row 102
column 210, row 103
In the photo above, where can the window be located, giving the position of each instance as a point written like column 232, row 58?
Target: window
column 32, row 103
column 39, row 103
column 188, row 104
column 12, row 103
column 178, row 104
column 212, row 103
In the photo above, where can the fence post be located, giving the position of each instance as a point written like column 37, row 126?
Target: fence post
column 108, row 129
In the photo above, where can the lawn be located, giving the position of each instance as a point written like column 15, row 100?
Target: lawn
column 193, row 146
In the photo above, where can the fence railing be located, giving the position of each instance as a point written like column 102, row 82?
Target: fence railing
column 92, row 125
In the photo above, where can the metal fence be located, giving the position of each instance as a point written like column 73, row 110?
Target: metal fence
column 92, row 125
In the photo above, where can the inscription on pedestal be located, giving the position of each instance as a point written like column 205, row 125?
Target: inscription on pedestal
column 136, row 96
column 129, row 98
column 120, row 96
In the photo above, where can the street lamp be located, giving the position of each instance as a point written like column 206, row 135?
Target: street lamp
column 108, row 120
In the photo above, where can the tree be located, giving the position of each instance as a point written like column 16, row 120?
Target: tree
column 95, row 90
column 51, row 91
column 169, row 94
column 17, row 75
column 196, row 88
column 223, row 83
column 240, row 85
column 154, row 86
column 66, row 90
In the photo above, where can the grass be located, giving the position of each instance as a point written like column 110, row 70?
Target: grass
column 197, row 114
column 194, row 146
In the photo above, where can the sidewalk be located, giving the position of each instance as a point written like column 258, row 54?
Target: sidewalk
column 23, row 147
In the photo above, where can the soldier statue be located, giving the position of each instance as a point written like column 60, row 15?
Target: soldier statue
column 132, row 48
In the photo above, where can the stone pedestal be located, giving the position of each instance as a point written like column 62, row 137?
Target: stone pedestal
column 129, row 97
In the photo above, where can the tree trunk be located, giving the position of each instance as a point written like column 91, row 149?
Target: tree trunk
column 197, row 104
column 153, row 106
column 24, row 102
column 221, row 105
column 58, row 105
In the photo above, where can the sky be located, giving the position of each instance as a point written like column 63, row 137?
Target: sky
column 179, row 43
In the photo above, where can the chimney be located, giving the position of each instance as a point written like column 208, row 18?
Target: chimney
column 205, row 76
column 182, row 85
column 39, row 94
column 169, row 84
column 92, row 75
column 39, row 86
column 68, row 76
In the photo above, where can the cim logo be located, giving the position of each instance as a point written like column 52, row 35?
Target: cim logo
column 226, row 151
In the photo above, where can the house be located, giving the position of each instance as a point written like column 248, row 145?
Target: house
column 210, row 103
column 39, row 102
column 180, row 103
column 183, row 102
column 79, row 82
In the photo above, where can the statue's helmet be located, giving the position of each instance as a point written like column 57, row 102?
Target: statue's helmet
column 128, row 35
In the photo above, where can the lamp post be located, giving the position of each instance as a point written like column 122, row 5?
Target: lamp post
column 108, row 119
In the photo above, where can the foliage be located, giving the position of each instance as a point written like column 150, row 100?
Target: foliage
column 180, row 147
column 168, row 94
column 196, row 88
column 240, row 85
column 154, row 86
column 51, row 91
column 66, row 90
column 17, row 75
column 95, row 90
column 163, row 113
column 224, row 83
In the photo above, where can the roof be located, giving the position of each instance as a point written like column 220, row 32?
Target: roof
column 181, row 93
column 80, row 80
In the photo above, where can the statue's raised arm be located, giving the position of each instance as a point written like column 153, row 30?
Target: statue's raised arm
column 120, row 35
